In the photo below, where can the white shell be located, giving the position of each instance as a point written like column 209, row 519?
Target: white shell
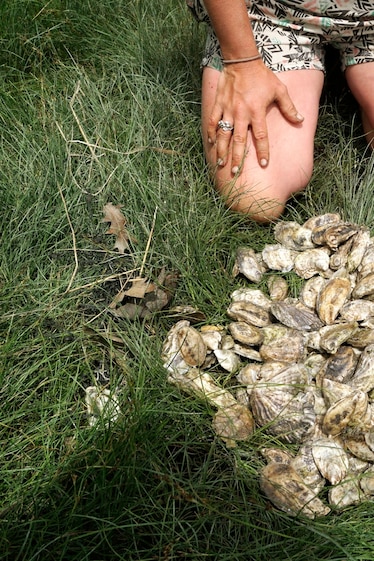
column 322, row 220
column 347, row 493
column 233, row 424
column 245, row 333
column 293, row 236
column 357, row 310
column 202, row 384
column 363, row 378
column 277, row 287
column 333, row 296
column 282, row 343
column 278, row 258
column 357, row 251
column 312, row 262
column 101, row 403
column 170, row 354
column 212, row 336
column 253, row 295
column 248, row 265
column 228, row 359
column 331, row 459
column 367, row 481
column 307, row 468
column 310, row 291
column 333, row 336
column 242, row 310
column 285, row 488
column 249, row 375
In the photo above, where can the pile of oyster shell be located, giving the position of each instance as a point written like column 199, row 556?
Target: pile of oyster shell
column 300, row 368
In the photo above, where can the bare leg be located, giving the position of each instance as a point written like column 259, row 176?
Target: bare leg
column 360, row 78
column 262, row 192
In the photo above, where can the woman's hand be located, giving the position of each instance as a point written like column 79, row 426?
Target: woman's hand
column 245, row 92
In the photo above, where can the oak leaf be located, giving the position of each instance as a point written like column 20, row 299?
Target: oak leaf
column 114, row 216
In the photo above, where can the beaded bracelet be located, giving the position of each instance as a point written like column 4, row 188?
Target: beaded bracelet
column 236, row 60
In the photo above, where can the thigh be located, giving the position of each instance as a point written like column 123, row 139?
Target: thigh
column 291, row 146
column 360, row 79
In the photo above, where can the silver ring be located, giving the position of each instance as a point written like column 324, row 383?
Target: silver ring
column 225, row 126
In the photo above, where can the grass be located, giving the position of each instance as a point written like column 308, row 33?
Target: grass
column 99, row 102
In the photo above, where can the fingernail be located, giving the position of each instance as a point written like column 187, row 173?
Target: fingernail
column 299, row 117
column 219, row 162
column 235, row 170
column 210, row 141
column 263, row 162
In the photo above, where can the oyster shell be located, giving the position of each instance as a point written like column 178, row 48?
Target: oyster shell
column 227, row 342
column 246, row 352
column 247, row 264
column 345, row 412
column 330, row 458
column 361, row 337
column 340, row 367
column 367, row 481
column 339, row 258
column 296, row 318
column 314, row 363
column 310, row 291
column 364, row 286
column 334, row 235
column 227, row 358
column 293, row 236
column 347, row 493
column 277, row 455
column 357, row 446
column 323, row 220
column 304, row 464
column 335, row 391
column 252, row 295
column 170, row 354
column 277, row 287
column 281, row 404
column 233, row 423
column 363, row 378
column 186, row 341
column 212, row 336
column 202, row 385
column 191, row 345
column 312, row 262
column 278, row 258
column 246, row 333
column 358, row 248
column 333, row 336
column 366, row 267
column 357, row 310
column 101, row 403
column 285, row 488
column 333, row 296
column 283, row 344
column 249, row 375
column 241, row 310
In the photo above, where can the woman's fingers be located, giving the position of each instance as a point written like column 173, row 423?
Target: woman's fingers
column 287, row 107
column 242, row 102
column 261, row 140
column 239, row 146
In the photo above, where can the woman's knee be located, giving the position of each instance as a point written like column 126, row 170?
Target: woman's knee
column 262, row 200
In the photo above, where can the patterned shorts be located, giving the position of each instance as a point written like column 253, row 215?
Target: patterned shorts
column 292, row 34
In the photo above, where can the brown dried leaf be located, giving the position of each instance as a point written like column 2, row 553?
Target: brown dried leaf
column 139, row 288
column 113, row 214
column 131, row 311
